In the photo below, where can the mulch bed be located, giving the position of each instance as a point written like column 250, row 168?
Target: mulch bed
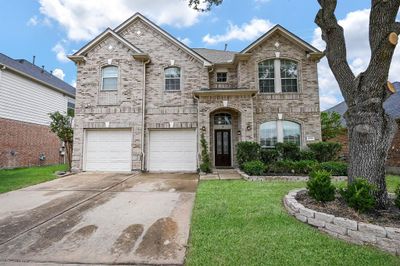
column 339, row 208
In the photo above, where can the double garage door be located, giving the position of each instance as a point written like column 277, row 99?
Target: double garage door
column 169, row 150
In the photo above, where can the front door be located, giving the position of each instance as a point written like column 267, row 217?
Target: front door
column 222, row 148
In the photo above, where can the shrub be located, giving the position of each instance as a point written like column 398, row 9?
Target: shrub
column 247, row 151
column 306, row 155
column 269, row 155
column 256, row 168
column 288, row 151
column 325, row 151
column 360, row 195
column 397, row 199
column 305, row 166
column 292, row 167
column 205, row 165
column 320, row 186
column 335, row 168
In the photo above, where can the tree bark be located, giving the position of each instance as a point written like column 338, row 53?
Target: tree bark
column 68, row 151
column 371, row 130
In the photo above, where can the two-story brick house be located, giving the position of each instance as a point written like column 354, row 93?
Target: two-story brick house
column 144, row 98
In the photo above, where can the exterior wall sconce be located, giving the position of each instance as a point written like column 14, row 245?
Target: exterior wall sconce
column 239, row 132
column 248, row 127
column 203, row 129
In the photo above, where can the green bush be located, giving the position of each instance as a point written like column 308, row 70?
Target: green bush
column 304, row 166
column 325, row 151
column 397, row 199
column 335, row 168
column 255, row 168
column 306, row 155
column 205, row 165
column 288, row 151
column 320, row 186
column 269, row 155
column 247, row 151
column 292, row 167
column 360, row 195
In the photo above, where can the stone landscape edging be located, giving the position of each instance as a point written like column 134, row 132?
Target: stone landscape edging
column 283, row 177
column 384, row 238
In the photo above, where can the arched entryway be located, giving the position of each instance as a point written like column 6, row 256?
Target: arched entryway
column 224, row 135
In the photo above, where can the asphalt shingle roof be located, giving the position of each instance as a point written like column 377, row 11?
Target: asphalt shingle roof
column 215, row 56
column 36, row 72
column 392, row 105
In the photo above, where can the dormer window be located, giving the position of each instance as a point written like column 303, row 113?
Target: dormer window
column 172, row 79
column 278, row 75
column 222, row 77
column 109, row 78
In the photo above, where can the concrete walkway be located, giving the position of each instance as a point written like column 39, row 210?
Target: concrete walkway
column 98, row 218
column 222, row 174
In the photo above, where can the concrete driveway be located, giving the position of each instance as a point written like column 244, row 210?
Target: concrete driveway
column 99, row 218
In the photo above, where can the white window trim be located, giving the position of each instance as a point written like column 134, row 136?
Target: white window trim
column 102, row 78
column 180, row 78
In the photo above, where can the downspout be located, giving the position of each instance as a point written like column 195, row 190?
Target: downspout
column 198, row 131
column 143, row 155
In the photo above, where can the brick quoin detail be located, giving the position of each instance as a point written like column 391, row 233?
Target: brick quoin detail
column 21, row 144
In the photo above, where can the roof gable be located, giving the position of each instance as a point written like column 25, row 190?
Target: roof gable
column 102, row 36
column 290, row 35
column 136, row 16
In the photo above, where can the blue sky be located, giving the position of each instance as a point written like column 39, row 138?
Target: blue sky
column 50, row 29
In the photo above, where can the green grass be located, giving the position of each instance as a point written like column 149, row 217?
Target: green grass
column 392, row 181
column 22, row 177
column 245, row 223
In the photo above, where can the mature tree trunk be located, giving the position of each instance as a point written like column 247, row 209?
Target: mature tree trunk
column 371, row 130
column 68, row 151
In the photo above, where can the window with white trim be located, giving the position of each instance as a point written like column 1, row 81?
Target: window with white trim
column 172, row 78
column 109, row 78
column 278, row 75
column 273, row 132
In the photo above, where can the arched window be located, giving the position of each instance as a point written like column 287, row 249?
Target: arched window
column 291, row 132
column 273, row 132
column 222, row 119
column 172, row 79
column 109, row 76
column 266, row 76
column 289, row 76
column 268, row 134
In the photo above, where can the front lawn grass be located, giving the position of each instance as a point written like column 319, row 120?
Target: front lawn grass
column 392, row 182
column 245, row 223
column 11, row 179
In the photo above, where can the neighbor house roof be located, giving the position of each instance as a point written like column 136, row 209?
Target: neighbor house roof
column 392, row 105
column 216, row 56
column 27, row 69
column 287, row 33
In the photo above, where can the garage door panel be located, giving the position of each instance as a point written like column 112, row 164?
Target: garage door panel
column 108, row 150
column 173, row 150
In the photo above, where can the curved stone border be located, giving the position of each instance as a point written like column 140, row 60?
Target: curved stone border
column 385, row 238
column 283, row 177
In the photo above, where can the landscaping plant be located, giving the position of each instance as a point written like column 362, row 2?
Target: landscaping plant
column 247, row 151
column 320, row 186
column 61, row 125
column 269, row 155
column 325, row 151
column 254, row 168
column 330, row 125
column 397, row 199
column 288, row 151
column 205, row 165
column 360, row 195
column 335, row 168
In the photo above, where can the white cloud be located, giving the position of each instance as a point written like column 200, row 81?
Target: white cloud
column 245, row 32
column 83, row 20
column 59, row 73
column 356, row 30
column 33, row 21
column 60, row 53
column 186, row 40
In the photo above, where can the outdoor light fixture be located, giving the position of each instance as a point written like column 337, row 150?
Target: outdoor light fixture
column 249, row 127
column 239, row 133
column 203, row 128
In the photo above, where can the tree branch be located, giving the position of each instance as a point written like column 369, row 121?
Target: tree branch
column 333, row 35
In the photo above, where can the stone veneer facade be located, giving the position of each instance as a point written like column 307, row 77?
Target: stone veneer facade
column 195, row 104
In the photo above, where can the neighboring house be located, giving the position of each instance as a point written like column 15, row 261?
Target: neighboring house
column 144, row 98
column 392, row 107
column 28, row 94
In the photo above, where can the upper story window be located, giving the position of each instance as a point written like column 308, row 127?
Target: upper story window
column 109, row 78
column 71, row 108
column 222, row 76
column 172, row 79
column 222, row 119
column 273, row 132
column 278, row 75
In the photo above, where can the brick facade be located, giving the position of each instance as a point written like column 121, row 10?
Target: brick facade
column 186, row 109
column 22, row 143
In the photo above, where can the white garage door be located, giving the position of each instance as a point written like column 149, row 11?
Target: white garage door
column 108, row 150
column 172, row 150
